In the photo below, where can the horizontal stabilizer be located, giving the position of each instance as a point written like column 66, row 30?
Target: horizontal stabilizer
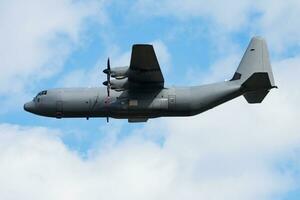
column 256, row 96
column 258, row 80
column 257, row 87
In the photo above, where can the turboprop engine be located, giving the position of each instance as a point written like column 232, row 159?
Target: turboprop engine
column 117, row 84
column 118, row 72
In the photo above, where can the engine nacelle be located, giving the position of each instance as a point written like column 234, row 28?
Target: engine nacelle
column 118, row 85
column 118, row 72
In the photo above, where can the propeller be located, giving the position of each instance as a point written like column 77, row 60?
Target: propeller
column 108, row 77
column 107, row 82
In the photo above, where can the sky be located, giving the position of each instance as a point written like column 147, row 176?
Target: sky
column 235, row 151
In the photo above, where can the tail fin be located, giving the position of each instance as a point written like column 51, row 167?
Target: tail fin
column 254, row 72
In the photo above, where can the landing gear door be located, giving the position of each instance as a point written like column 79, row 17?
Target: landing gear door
column 172, row 101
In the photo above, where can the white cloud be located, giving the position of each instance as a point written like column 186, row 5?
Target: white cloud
column 222, row 69
column 209, row 10
column 163, row 55
column 36, row 38
column 276, row 20
column 37, row 165
column 231, row 152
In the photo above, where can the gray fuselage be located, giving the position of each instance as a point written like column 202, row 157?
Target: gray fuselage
column 144, row 96
column 93, row 102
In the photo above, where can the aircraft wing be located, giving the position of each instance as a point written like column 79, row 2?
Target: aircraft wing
column 144, row 69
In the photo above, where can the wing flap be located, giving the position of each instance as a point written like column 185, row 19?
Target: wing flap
column 137, row 120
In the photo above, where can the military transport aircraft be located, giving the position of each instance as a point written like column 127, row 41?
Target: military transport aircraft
column 138, row 93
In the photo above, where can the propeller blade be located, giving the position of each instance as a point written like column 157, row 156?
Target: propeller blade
column 107, row 82
column 108, row 77
column 108, row 90
column 108, row 65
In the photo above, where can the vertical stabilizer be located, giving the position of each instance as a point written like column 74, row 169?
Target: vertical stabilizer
column 255, row 72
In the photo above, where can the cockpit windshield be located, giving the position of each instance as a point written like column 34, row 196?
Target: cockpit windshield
column 44, row 92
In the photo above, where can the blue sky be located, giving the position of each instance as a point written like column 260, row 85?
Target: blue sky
column 235, row 151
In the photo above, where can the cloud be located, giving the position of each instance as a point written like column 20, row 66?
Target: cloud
column 236, row 149
column 37, row 37
column 163, row 55
column 277, row 21
column 238, row 139
column 35, row 163
column 190, row 9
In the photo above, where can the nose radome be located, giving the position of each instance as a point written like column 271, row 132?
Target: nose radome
column 29, row 106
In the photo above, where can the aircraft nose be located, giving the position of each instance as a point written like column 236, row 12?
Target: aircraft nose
column 29, row 106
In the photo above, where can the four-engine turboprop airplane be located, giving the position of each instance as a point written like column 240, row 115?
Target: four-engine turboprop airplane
column 138, row 93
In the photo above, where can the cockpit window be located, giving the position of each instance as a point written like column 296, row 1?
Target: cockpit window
column 44, row 92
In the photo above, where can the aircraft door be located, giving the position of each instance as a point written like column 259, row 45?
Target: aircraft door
column 59, row 109
column 172, row 101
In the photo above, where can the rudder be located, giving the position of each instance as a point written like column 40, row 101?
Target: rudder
column 254, row 71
